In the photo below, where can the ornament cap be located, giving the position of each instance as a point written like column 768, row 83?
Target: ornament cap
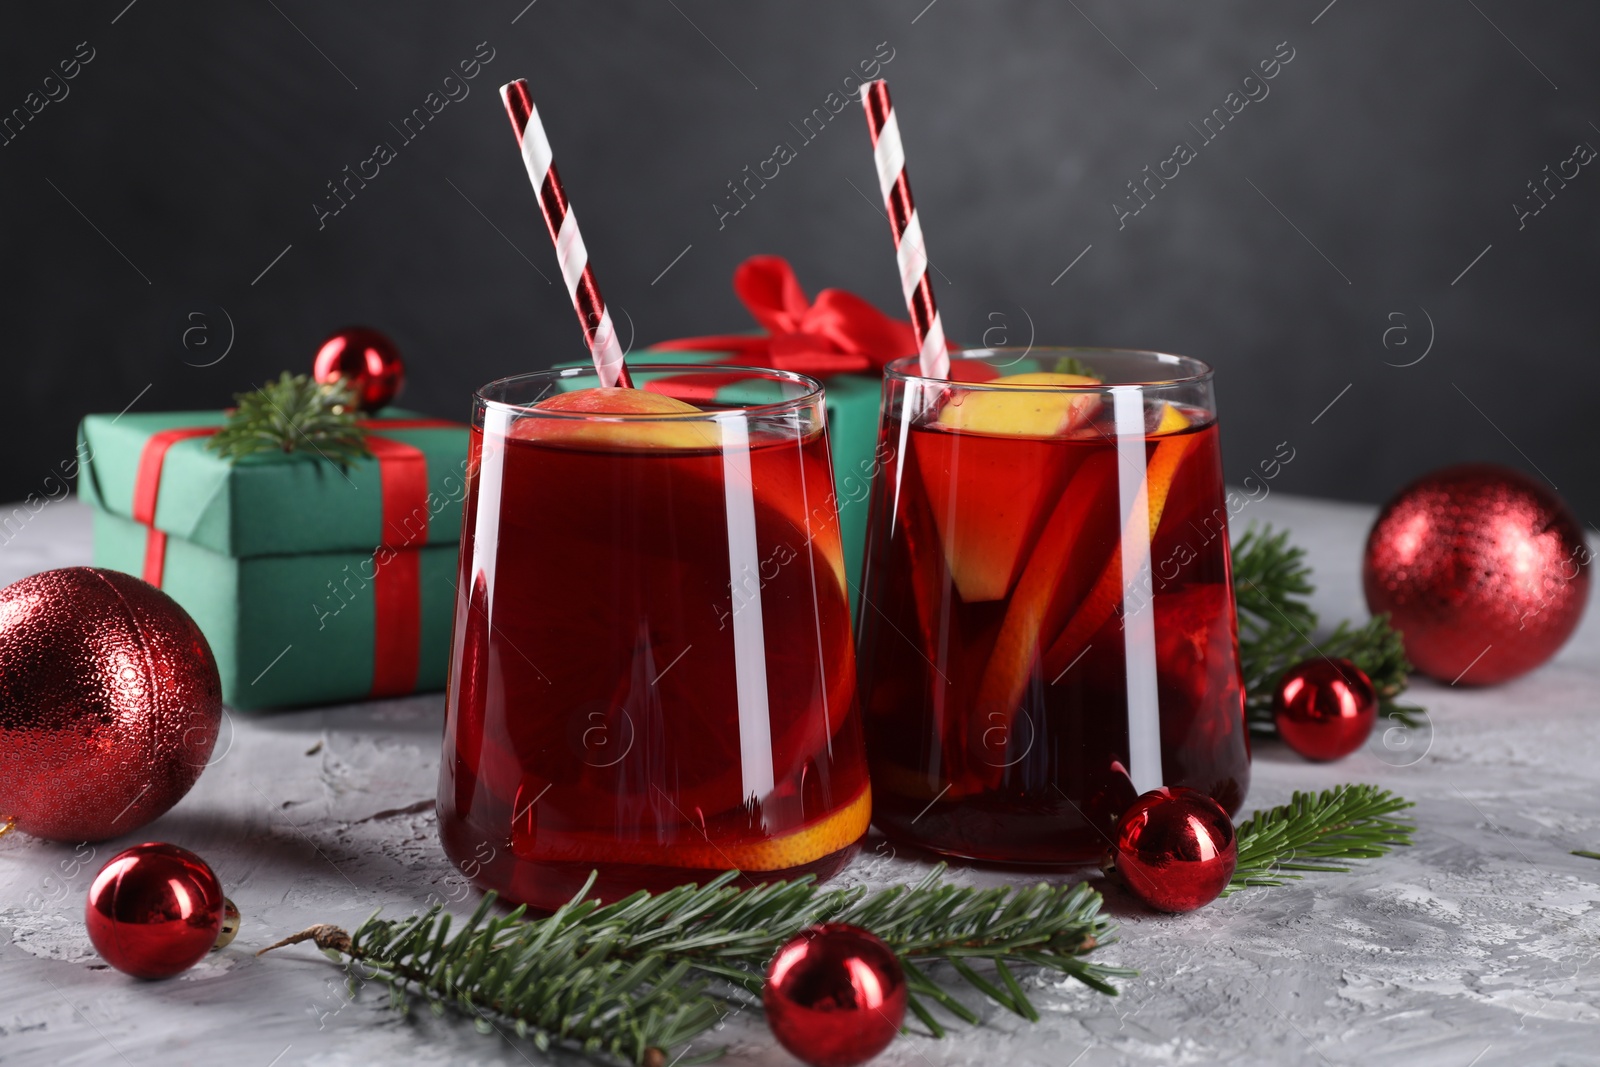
column 230, row 925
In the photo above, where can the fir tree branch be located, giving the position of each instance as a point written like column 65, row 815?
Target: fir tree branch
column 1271, row 585
column 294, row 414
column 634, row 979
column 1314, row 831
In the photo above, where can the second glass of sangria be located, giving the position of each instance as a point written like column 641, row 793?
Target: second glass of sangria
column 1047, row 625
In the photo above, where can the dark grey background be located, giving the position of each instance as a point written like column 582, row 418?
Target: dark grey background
column 1387, row 157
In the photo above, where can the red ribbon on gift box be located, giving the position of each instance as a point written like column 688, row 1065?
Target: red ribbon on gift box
column 838, row 333
column 397, row 569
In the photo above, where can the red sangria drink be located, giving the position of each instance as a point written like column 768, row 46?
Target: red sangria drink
column 653, row 676
column 1047, row 623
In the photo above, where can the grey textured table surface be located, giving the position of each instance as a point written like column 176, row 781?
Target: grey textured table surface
column 1475, row 947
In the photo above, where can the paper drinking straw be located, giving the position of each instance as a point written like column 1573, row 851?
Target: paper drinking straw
column 910, row 247
column 593, row 315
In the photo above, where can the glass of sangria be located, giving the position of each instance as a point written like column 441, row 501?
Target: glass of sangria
column 1047, row 624
column 652, row 671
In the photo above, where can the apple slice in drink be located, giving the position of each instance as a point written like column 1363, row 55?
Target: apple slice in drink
column 988, row 511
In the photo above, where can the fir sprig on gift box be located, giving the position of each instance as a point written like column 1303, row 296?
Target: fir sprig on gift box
column 294, row 414
column 1276, row 626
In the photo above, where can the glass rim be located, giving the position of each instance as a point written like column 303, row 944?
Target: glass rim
column 902, row 369
column 813, row 393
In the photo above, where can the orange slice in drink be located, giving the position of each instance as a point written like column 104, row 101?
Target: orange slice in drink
column 987, row 510
column 1107, row 592
column 794, row 849
column 1039, row 602
column 1028, row 616
column 801, row 490
column 627, row 418
column 1014, row 405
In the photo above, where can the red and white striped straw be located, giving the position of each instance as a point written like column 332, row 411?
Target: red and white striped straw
column 593, row 315
column 910, row 247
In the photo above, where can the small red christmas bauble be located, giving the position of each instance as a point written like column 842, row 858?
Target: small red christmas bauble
column 154, row 910
column 1175, row 849
column 1324, row 708
column 835, row 995
column 366, row 359
column 1483, row 570
column 110, row 703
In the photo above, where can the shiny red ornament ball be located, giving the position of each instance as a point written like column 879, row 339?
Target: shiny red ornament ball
column 1324, row 708
column 110, row 703
column 366, row 359
column 1482, row 569
column 154, row 910
column 1175, row 849
column 835, row 995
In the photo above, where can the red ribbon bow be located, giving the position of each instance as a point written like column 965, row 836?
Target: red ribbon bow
column 838, row 333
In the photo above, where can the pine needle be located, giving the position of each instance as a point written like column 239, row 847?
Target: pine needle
column 1271, row 584
column 294, row 414
column 1314, row 831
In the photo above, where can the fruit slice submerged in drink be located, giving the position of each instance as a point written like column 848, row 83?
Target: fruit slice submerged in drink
column 709, row 845
column 988, row 498
column 1172, row 447
column 657, row 428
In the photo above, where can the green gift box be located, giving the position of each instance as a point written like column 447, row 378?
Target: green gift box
column 312, row 584
column 851, row 401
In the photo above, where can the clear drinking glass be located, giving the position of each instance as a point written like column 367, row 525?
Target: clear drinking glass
column 1047, row 624
column 652, row 670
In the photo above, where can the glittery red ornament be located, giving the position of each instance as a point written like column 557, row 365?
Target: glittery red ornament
column 154, row 910
column 1483, row 570
column 835, row 995
column 1324, row 708
column 1175, row 849
column 365, row 358
column 110, row 703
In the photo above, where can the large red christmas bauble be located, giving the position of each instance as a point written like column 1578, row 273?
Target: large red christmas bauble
column 366, row 359
column 1175, row 849
column 1324, row 708
column 1483, row 570
column 835, row 995
column 110, row 703
column 154, row 910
